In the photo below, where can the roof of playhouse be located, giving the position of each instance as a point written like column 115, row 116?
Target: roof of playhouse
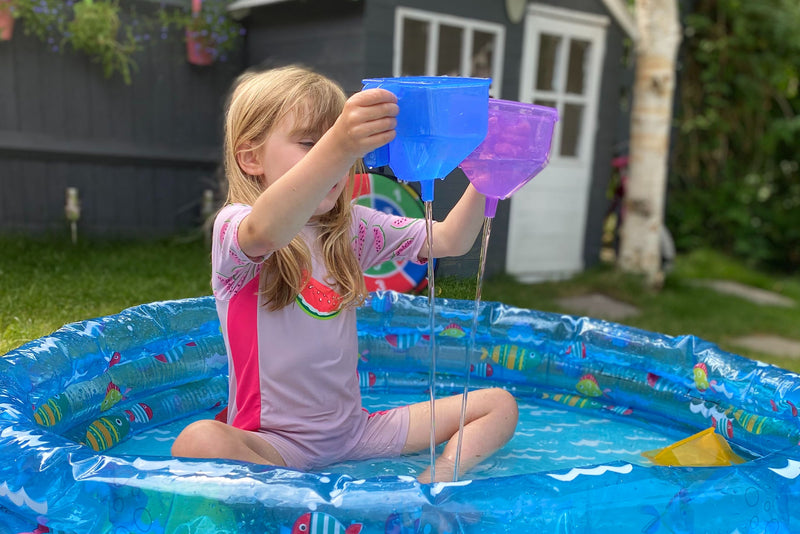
column 617, row 8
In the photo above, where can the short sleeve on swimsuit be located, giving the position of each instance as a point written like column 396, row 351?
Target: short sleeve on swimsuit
column 231, row 268
column 379, row 237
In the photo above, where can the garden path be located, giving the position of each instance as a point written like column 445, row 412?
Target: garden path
column 604, row 307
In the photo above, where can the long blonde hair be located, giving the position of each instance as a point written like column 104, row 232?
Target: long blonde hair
column 259, row 101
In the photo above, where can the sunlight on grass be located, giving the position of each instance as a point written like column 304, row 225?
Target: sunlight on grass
column 45, row 284
column 682, row 307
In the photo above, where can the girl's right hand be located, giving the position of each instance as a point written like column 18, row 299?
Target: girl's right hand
column 367, row 122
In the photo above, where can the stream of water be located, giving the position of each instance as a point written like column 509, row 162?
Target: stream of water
column 432, row 326
column 487, row 230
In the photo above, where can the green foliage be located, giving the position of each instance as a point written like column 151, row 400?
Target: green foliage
column 41, row 18
column 94, row 30
column 92, row 27
column 112, row 37
column 735, row 183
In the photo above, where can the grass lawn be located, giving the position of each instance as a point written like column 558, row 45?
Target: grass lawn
column 47, row 283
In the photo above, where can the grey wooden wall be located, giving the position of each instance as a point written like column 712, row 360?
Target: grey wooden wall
column 327, row 36
column 140, row 155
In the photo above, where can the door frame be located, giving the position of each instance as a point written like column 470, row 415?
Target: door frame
column 527, row 254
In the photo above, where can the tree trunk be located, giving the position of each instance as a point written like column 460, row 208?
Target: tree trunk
column 659, row 36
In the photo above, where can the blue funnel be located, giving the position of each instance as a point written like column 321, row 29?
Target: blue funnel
column 441, row 121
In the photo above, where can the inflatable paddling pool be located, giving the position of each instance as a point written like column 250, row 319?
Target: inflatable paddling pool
column 73, row 404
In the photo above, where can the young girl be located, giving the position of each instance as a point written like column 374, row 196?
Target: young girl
column 289, row 251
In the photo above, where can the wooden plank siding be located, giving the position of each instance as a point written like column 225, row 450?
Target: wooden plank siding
column 140, row 155
column 325, row 36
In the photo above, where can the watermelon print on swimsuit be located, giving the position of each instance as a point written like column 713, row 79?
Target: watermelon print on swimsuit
column 318, row 300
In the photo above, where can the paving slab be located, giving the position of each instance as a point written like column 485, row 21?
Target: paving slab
column 599, row 306
column 769, row 344
column 753, row 294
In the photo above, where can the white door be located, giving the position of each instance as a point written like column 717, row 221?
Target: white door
column 562, row 57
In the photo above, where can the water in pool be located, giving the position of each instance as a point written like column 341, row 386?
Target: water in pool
column 547, row 438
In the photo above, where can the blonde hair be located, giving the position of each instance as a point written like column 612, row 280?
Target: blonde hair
column 259, row 101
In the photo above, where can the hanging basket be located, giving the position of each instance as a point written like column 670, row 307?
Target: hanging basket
column 6, row 21
column 197, row 53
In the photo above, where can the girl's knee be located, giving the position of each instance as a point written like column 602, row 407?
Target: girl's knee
column 198, row 439
column 504, row 407
column 501, row 401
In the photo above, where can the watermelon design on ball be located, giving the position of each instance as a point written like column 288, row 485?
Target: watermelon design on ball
column 318, row 300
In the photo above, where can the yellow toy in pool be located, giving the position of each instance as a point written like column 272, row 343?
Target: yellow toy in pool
column 704, row 449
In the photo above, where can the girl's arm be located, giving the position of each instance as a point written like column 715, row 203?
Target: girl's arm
column 456, row 234
column 366, row 122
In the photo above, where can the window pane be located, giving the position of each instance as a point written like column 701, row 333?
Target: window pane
column 578, row 57
column 449, row 62
column 571, row 121
column 483, row 47
column 548, row 54
column 415, row 43
column 548, row 103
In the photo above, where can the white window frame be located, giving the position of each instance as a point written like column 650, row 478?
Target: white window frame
column 467, row 25
column 594, row 28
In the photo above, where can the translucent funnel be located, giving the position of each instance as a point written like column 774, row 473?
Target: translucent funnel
column 441, row 120
column 516, row 148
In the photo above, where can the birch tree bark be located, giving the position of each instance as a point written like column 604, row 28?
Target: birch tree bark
column 659, row 36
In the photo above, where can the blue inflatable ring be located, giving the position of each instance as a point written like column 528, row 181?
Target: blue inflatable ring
column 66, row 397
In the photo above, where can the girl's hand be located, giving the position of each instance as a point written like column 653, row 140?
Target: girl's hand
column 367, row 122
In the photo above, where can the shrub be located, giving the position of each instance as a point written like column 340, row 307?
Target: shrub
column 735, row 181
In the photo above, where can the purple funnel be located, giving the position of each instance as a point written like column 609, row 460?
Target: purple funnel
column 516, row 148
column 442, row 119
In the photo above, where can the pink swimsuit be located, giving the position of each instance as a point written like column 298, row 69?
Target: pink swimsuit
column 293, row 371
